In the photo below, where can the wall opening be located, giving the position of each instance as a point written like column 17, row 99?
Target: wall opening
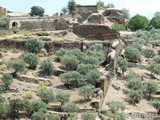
column 14, row 25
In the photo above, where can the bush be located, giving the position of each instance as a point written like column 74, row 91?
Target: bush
column 35, row 106
column 52, row 117
column 135, row 83
column 132, row 53
column 71, row 79
column 34, row 45
column 88, row 116
column 4, row 22
column 87, row 91
column 118, row 27
column 156, row 60
column 37, row 10
column 70, row 62
column 149, row 53
column 138, row 22
column 73, row 116
column 62, row 97
column 3, row 110
column 30, row 59
column 154, row 23
column 151, row 87
column 158, row 52
column 154, row 68
column 46, row 95
column 85, row 68
column 93, row 77
column 70, row 107
column 71, row 5
column 156, row 105
column 125, row 13
column 40, row 115
column 7, row 80
column 135, row 95
column 116, row 109
column 47, row 67
column 123, row 64
column 17, row 66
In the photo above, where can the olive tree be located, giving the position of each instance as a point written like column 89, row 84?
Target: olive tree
column 17, row 66
column 88, row 116
column 123, row 64
column 87, row 91
column 37, row 10
column 7, row 80
column 154, row 68
column 62, row 97
column 70, row 108
column 34, row 45
column 149, row 53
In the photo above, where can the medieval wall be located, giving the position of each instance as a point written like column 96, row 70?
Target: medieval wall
column 37, row 25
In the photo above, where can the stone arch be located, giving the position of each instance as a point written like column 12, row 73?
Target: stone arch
column 14, row 24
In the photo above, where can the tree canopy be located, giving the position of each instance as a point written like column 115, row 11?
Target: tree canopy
column 37, row 10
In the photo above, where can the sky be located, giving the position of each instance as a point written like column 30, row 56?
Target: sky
column 142, row 7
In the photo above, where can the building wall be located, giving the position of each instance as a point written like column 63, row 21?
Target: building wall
column 3, row 12
column 86, row 9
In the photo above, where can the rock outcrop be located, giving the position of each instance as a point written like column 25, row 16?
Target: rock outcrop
column 96, row 18
column 95, row 32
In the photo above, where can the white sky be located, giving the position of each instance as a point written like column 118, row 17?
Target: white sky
column 142, row 7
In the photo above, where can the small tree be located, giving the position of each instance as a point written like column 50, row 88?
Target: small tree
column 46, row 95
column 62, row 97
column 135, row 95
column 34, row 45
column 37, row 10
column 52, row 117
column 70, row 62
column 154, row 23
column 151, row 87
column 47, row 67
column 93, row 77
column 64, row 10
column 35, row 106
column 16, row 105
column 138, row 22
column 132, row 53
column 135, row 84
column 156, row 105
column 30, row 59
column 40, row 115
column 88, row 116
column 149, row 53
column 118, row 27
column 125, row 13
column 154, row 68
column 3, row 109
column 71, row 79
column 70, row 107
column 87, row 91
column 101, row 4
column 110, row 5
column 85, row 68
column 7, row 80
column 123, row 64
column 116, row 109
column 17, row 66
column 71, row 5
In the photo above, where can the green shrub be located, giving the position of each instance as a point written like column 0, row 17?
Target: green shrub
column 149, row 53
column 52, row 117
column 151, row 87
column 135, row 84
column 62, row 97
column 156, row 60
column 87, row 91
column 3, row 110
column 138, row 22
column 7, row 80
column 88, row 116
column 40, row 115
column 118, row 27
column 70, row 107
column 158, row 52
column 47, row 67
column 116, row 109
column 46, row 94
column 154, row 68
column 17, row 66
column 30, row 59
column 154, row 23
column 132, row 53
column 135, row 96
column 71, row 79
column 35, row 106
column 73, row 116
column 85, row 68
column 156, row 105
column 93, row 77
column 37, row 10
column 70, row 62
column 123, row 64
column 34, row 45
column 4, row 22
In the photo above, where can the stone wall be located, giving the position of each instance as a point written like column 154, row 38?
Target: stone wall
column 37, row 25
column 95, row 32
